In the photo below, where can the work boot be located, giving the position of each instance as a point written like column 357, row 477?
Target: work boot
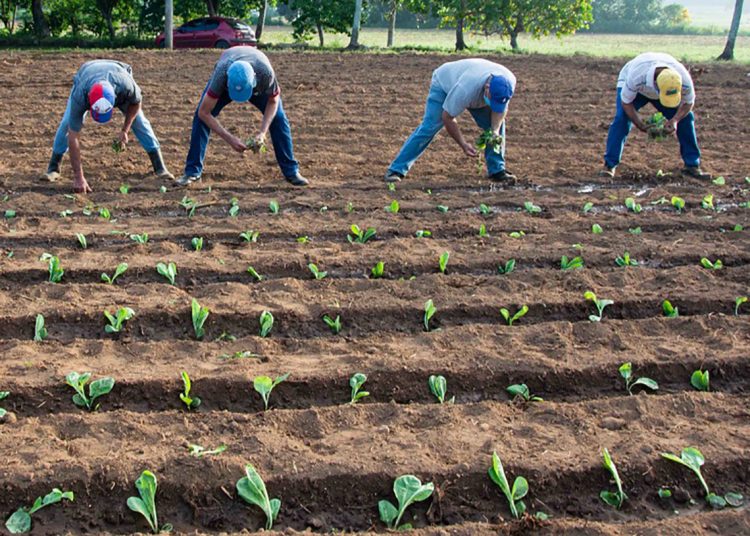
column 157, row 161
column 393, row 176
column 503, row 176
column 297, row 180
column 696, row 172
column 53, row 169
column 607, row 171
column 186, row 180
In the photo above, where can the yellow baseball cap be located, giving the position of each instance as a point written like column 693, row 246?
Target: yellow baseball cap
column 669, row 83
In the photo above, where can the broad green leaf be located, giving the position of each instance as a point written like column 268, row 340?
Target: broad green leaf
column 716, row 501
column 734, row 499
column 387, row 511
column 138, row 506
column 497, row 474
column 263, row 384
column 19, row 522
column 520, row 488
column 646, row 382
column 409, row 489
column 626, row 370
column 100, row 387
column 610, row 497
column 692, row 457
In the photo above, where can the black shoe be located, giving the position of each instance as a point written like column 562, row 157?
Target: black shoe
column 53, row 169
column 696, row 172
column 297, row 180
column 607, row 172
column 157, row 161
column 392, row 176
column 502, row 176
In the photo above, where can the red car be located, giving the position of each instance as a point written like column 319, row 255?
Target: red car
column 210, row 32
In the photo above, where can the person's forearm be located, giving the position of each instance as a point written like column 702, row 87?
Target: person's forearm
column 130, row 116
column 452, row 127
column 272, row 106
column 497, row 122
column 213, row 123
column 75, row 154
column 633, row 116
column 682, row 112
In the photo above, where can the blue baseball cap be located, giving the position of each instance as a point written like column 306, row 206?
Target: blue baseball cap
column 501, row 91
column 240, row 81
column 101, row 101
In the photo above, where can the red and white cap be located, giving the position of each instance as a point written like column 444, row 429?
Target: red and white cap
column 101, row 101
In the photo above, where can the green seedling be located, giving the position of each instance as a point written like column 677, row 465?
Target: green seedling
column 198, row 451
column 429, row 312
column 378, row 270
column 250, row 236
column 20, row 521
column 708, row 265
column 250, row 270
column 359, row 236
column 393, row 208
column 197, row 243
column 483, row 231
column 612, row 498
column 692, row 458
column 266, row 323
column 531, row 208
column 252, row 489
column 356, row 382
column 508, row 267
column 199, row 315
column 587, row 207
column 631, row 205
column 273, row 206
column 626, row 260
column 656, row 127
column 573, row 263
column 82, row 240
column 597, row 229
column 408, row 490
column 349, row 207
column 664, row 493
column 600, row 305
column 65, row 213
column 484, row 210
column 439, row 388
column 521, row 390
column 3, row 396
column 121, row 269
column 10, row 214
column 140, row 238
column 423, row 233
column 678, row 203
column 443, row 261
column 40, row 332
column 97, row 388
column 488, row 139
column 168, row 271
column 669, row 310
column 117, row 146
column 318, row 274
column 105, row 213
column 256, row 147
column 519, row 314
column 708, row 202
column 146, row 503
column 442, row 208
column 517, row 234
column 626, row 371
column 515, row 494
column 263, row 385
column 191, row 402
column 719, row 181
column 700, row 380
column 163, row 189
column 234, row 207
column 124, row 189
column 635, row 230
column 739, row 300
column 392, row 187
column 335, row 325
column 53, row 265
column 117, row 320
column 189, row 205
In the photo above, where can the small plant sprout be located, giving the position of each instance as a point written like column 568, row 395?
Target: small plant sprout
column 393, row 208
column 515, row 494
column 191, row 402
column 356, row 382
column 519, row 314
column 234, row 207
column 250, row 270
column 266, row 323
column 378, row 270
column 442, row 208
column 626, row 371
column 317, row 274
column 360, row 236
column 443, row 261
column 121, row 269
column 531, row 208
column 20, row 521
column 408, row 490
column 199, row 315
column 719, row 181
column 334, row 324
column 738, row 301
column 708, row 265
column 168, row 271
column 97, row 388
column 40, row 332
column 117, row 320
column 124, row 189
column 600, row 305
column 656, row 129
column 273, row 206
column 392, row 187
column 253, row 491
column 439, row 388
column 635, row 230
column 631, row 205
column 597, row 229
column 198, row 451
column 105, row 213
column 53, row 265
column 587, row 207
column 707, row 202
column 140, row 238
column 678, row 203
column 423, row 233
column 82, row 240
column 669, row 310
column 625, row 260
column 521, row 390
column 3, row 396
column 508, row 267
column 664, row 493
column 250, row 236
column 303, row 239
column 612, row 498
column 484, row 210
column 483, row 231
column 429, row 312
column 189, row 205
column 700, row 380
column 146, row 503
column 573, row 263
column 692, row 458
column 263, row 385
column 197, row 243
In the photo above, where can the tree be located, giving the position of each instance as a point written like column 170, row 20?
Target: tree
column 453, row 12
column 390, row 9
column 106, row 7
column 41, row 28
column 354, row 41
column 319, row 15
column 728, row 53
column 8, row 10
column 261, row 19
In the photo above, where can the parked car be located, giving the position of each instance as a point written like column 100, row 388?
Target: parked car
column 210, row 32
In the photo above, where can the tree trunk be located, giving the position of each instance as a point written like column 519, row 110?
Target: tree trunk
column 728, row 53
column 320, row 34
column 514, row 40
column 261, row 20
column 391, row 26
column 41, row 29
column 354, row 41
column 110, row 26
column 460, row 43
column 211, row 6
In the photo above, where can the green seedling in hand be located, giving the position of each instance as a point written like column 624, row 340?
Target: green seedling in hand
column 199, row 315
column 443, row 261
column 656, row 127
column 263, row 385
column 234, row 207
column 250, row 270
column 708, row 265
column 197, row 243
column 669, row 310
column 256, row 147
column 97, row 388
column 3, row 396
column 359, row 236
column 117, row 320
column 423, row 233
column 252, row 489
column 168, row 271
column 121, row 269
column 631, row 205
column 626, row 371
column 612, row 498
column 53, row 265
column 393, row 208
column 531, row 208
column 439, row 388
column 739, row 300
column 356, row 382
column 600, row 305
column 573, row 263
column 521, row 390
column 507, row 268
column 378, row 270
column 588, row 207
column 318, row 274
column 708, row 202
column 40, row 332
column 488, row 139
column 625, row 260
column 515, row 494
column 597, row 229
column 700, row 380
column 140, row 238
column 190, row 402
column 20, row 521
column 519, row 314
column 198, row 451
column 146, row 503
column 678, row 203
column 335, row 325
column 250, row 236
column 82, row 240
column 429, row 312
column 273, row 206
column 408, row 490
column 692, row 458
column 266, row 323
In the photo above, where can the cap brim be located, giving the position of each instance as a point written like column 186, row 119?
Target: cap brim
column 498, row 107
column 240, row 96
column 101, row 118
column 670, row 101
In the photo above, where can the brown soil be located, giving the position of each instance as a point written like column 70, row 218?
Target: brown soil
column 330, row 462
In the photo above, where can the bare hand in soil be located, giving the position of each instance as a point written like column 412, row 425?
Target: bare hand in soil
column 670, row 127
column 123, row 138
column 237, row 144
column 469, row 150
column 257, row 144
column 81, row 187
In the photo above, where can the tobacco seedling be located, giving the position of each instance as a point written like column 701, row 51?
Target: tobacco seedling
column 570, row 264
column 252, row 489
column 378, row 270
column 515, row 494
column 631, row 205
column 669, row 310
column 517, row 234
column 234, row 207
column 600, row 305
column 708, row 265
column 197, row 243
column 700, row 380
column 20, row 521
column 708, row 202
column 739, row 300
column 439, row 388
column 531, row 208
column 484, row 210
column 140, row 238
column 393, row 208
column 587, row 207
column 483, row 231
column 664, row 493
column 612, row 498
column 256, row 147
column 124, row 189
column 168, row 271
column 266, row 323
column 408, row 490
column 626, row 371
column 117, row 320
column 146, row 503
column 335, row 325
column 190, row 402
column 519, row 314
column 82, row 240
column 356, row 382
column 198, row 451
column 97, row 388
column 263, row 385
column 442, row 208
column 719, row 181
column 597, row 229
column 254, row 273
column 3, row 396
column 318, row 274
column 273, row 206
column 429, row 312
column 303, row 239
column 625, row 260
column 199, row 315
column 40, row 332
column 53, row 265
column 121, row 269
column 250, row 236
column 678, row 203
column 635, row 230
column 507, row 268
column 189, row 205
column 117, row 147
column 105, row 213
column 443, row 261
column 522, row 390
column 656, row 124
column 359, row 236
column 692, row 458
column 423, row 233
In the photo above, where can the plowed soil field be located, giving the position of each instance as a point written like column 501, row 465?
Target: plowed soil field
column 330, row 462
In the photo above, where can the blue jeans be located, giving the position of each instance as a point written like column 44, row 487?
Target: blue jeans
column 141, row 128
column 621, row 125
column 431, row 124
column 281, row 136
